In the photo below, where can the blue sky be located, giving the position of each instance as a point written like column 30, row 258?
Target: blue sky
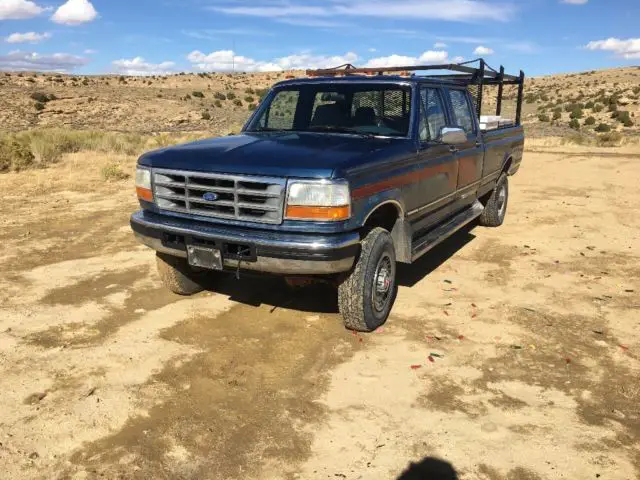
column 158, row 36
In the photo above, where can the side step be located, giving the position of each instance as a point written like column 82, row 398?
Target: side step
column 426, row 242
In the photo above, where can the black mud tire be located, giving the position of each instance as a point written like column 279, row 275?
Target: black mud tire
column 177, row 275
column 356, row 293
column 495, row 206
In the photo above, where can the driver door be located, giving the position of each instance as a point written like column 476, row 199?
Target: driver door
column 437, row 175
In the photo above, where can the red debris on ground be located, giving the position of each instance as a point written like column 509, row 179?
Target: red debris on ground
column 431, row 359
column 460, row 337
column 415, row 367
column 624, row 347
column 567, row 360
column 445, row 312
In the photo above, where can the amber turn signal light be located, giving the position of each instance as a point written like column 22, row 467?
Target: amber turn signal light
column 144, row 194
column 299, row 212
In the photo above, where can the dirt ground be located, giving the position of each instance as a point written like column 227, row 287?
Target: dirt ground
column 511, row 353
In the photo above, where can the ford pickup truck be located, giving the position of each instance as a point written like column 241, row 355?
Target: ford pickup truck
column 337, row 176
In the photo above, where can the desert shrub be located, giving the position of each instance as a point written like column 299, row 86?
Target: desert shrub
column 217, row 103
column 603, row 127
column 590, row 121
column 31, row 80
column 543, row 117
column 113, row 173
column 85, row 82
column 636, row 90
column 252, row 106
column 589, row 105
column 250, row 91
column 39, row 106
column 557, row 115
column 187, row 97
column 14, row 154
column 231, row 96
column 575, row 124
column 622, row 116
column 597, row 108
column 576, row 114
column 237, row 102
column 219, row 96
column 206, row 116
column 611, row 139
column 248, row 99
column 198, row 94
column 39, row 97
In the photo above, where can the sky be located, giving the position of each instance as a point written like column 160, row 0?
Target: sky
column 148, row 37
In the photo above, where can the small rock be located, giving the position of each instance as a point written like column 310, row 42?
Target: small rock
column 34, row 455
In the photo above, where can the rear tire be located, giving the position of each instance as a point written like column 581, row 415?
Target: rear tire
column 366, row 296
column 177, row 275
column 495, row 207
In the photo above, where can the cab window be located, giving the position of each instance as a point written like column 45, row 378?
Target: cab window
column 462, row 113
column 432, row 118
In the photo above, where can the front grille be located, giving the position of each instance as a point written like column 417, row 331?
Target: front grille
column 239, row 197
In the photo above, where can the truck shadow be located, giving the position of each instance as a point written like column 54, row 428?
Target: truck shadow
column 409, row 275
column 257, row 290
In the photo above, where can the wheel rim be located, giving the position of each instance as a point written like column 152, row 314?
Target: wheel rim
column 382, row 283
column 502, row 200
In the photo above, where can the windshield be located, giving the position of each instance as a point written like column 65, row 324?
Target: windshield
column 366, row 109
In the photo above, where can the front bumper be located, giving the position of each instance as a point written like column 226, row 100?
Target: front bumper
column 258, row 250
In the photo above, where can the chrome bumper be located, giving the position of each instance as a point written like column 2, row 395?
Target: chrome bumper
column 273, row 252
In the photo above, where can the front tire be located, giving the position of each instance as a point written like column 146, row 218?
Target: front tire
column 495, row 207
column 366, row 296
column 177, row 275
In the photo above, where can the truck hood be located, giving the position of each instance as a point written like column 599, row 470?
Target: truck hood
column 307, row 155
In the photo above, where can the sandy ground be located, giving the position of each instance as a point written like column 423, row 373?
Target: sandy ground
column 511, row 353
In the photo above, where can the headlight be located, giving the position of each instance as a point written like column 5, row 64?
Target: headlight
column 318, row 200
column 143, row 184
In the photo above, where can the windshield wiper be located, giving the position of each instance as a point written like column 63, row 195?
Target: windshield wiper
column 334, row 129
column 268, row 129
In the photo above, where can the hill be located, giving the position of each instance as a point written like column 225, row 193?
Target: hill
column 590, row 102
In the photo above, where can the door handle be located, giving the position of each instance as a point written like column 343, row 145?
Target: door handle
column 453, row 149
column 478, row 143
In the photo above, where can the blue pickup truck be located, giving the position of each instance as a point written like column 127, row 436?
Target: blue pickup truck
column 337, row 176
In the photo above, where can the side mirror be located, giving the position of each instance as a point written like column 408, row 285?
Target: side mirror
column 453, row 136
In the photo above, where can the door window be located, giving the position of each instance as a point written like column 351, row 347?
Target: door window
column 461, row 110
column 433, row 118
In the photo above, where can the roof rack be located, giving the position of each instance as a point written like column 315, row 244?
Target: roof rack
column 466, row 75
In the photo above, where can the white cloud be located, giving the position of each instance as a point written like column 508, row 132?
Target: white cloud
column 451, row 10
column 430, row 57
column 90, row 51
column 57, row 62
column 439, row 45
column 373, row 50
column 75, row 12
column 18, row 9
column 138, row 66
column 628, row 49
column 28, row 37
column 455, row 39
column 227, row 60
column 480, row 50
column 575, row 2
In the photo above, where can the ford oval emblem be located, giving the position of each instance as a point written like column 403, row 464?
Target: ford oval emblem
column 210, row 196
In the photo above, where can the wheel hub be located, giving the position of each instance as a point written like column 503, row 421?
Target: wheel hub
column 382, row 282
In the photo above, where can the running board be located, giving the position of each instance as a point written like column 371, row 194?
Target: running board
column 423, row 244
